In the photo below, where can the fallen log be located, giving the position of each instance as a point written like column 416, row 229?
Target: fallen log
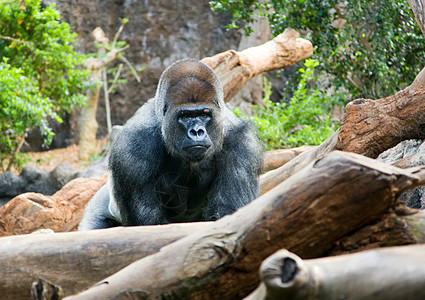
column 77, row 260
column 306, row 215
column 391, row 273
column 370, row 127
column 399, row 226
column 234, row 68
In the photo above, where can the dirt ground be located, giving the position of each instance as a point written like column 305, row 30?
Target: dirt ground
column 48, row 160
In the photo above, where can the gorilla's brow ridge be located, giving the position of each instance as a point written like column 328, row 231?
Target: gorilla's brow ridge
column 191, row 89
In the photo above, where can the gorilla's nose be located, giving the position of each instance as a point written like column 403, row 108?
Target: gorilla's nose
column 197, row 133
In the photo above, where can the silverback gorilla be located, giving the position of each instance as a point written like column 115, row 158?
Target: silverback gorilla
column 184, row 156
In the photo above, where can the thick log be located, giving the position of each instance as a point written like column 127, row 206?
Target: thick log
column 77, row 260
column 369, row 127
column 400, row 226
column 372, row 126
column 234, row 68
column 62, row 211
column 307, row 215
column 391, row 273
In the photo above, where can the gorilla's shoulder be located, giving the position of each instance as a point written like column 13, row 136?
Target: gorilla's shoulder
column 239, row 132
column 141, row 135
column 144, row 117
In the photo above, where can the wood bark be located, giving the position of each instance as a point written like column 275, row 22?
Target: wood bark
column 372, row 126
column 369, row 127
column 234, row 68
column 307, row 215
column 399, row 226
column 77, row 260
column 391, row 273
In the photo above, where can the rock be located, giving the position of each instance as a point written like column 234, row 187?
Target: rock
column 10, row 186
column 33, row 179
column 95, row 169
column 408, row 154
column 62, row 174
column 61, row 212
column 402, row 150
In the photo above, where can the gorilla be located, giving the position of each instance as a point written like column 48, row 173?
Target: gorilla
column 183, row 157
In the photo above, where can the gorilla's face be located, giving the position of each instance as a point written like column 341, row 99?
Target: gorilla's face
column 192, row 128
column 192, row 132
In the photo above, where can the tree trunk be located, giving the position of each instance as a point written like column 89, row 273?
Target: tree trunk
column 392, row 273
column 87, row 123
column 307, row 215
column 235, row 68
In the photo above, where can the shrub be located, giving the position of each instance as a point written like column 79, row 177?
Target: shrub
column 39, row 74
column 306, row 120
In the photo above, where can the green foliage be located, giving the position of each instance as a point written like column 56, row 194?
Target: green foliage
column 39, row 77
column 378, row 50
column 305, row 121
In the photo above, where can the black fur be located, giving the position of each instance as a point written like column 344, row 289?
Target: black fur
column 154, row 180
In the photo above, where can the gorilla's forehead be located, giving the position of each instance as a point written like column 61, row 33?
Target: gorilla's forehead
column 191, row 90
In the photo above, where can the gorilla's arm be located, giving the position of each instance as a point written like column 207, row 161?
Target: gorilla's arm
column 135, row 161
column 97, row 214
column 236, row 183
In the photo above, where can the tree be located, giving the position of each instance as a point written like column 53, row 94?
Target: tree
column 372, row 49
column 107, row 53
column 39, row 74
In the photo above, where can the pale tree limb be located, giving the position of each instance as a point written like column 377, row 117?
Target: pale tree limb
column 88, row 123
column 234, row 68
column 277, row 176
column 306, row 215
column 276, row 158
column 390, row 273
column 77, row 260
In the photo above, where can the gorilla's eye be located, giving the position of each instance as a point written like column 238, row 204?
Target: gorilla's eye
column 205, row 113
column 183, row 115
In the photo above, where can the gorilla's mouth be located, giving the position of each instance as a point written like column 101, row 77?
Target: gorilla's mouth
column 197, row 147
column 196, row 152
